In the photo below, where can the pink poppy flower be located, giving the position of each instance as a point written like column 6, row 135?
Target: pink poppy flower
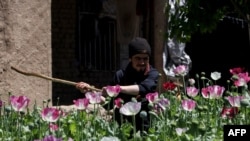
column 213, row 92
column 205, row 92
column 180, row 70
column 53, row 127
column 113, row 91
column 118, row 103
column 216, row 91
column 192, row 91
column 50, row 114
column 163, row 103
column 188, row 104
column 152, row 97
column 234, row 100
column 229, row 112
column 94, row 97
column 19, row 103
column 236, row 70
column 241, row 79
column 81, row 104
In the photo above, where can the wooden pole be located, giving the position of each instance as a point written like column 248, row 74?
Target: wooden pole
column 52, row 79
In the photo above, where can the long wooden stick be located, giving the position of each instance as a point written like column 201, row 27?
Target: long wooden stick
column 52, row 79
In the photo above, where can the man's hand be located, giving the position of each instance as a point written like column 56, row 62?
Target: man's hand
column 83, row 87
column 104, row 92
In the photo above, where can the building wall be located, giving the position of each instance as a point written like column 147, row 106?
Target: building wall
column 41, row 36
column 25, row 43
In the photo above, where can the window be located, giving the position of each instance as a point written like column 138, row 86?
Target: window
column 97, row 46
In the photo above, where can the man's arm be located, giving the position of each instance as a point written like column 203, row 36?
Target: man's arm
column 130, row 89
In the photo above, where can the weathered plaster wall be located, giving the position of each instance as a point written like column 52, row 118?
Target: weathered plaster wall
column 25, row 43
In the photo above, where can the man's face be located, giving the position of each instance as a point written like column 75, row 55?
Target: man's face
column 140, row 62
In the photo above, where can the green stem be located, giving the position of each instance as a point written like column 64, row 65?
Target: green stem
column 165, row 124
column 18, row 125
column 184, row 85
column 49, row 128
column 95, row 114
column 246, row 119
column 78, row 129
column 113, row 102
column 134, row 125
column 198, row 83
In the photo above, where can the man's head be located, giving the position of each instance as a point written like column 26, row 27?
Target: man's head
column 139, row 46
column 139, row 53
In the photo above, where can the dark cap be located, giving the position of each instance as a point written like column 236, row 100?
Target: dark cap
column 139, row 46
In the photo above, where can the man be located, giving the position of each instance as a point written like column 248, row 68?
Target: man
column 136, row 80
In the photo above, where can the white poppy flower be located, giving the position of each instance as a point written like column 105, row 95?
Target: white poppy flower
column 215, row 75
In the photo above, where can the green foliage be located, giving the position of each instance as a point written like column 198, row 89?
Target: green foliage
column 201, row 16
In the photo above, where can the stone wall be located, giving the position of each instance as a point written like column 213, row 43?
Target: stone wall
column 25, row 43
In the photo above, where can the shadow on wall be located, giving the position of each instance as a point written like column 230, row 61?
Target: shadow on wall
column 63, row 24
column 227, row 47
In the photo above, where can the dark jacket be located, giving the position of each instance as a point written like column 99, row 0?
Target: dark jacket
column 147, row 84
column 129, row 76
